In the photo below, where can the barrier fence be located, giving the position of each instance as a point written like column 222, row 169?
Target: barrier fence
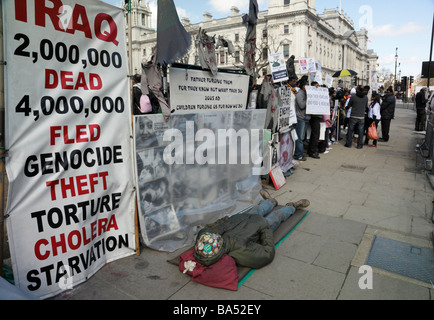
column 426, row 148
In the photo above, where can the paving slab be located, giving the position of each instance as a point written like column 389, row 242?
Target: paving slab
column 290, row 279
column 336, row 255
column 333, row 228
column 390, row 218
column 383, row 288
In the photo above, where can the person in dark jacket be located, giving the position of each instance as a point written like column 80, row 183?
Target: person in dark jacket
column 315, row 131
column 420, row 110
column 137, row 96
column 247, row 237
column 358, row 104
column 387, row 114
column 302, row 121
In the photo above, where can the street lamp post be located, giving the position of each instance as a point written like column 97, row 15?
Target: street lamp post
column 398, row 80
column 396, row 65
column 430, row 54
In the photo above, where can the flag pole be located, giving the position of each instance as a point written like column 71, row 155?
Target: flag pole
column 430, row 55
column 130, row 40
column 130, row 73
column 2, row 163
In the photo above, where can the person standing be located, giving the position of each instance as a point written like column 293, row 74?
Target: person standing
column 387, row 114
column 431, row 101
column 315, row 131
column 358, row 104
column 347, row 109
column 374, row 116
column 420, row 110
column 329, row 123
column 302, row 120
column 381, row 91
column 143, row 103
column 137, row 94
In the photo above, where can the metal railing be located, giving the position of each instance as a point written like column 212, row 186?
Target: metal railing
column 426, row 149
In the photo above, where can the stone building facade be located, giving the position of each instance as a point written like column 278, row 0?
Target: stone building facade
column 292, row 27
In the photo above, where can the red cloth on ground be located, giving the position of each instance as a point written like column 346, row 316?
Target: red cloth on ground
column 222, row 274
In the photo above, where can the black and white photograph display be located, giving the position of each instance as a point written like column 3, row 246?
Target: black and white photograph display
column 193, row 170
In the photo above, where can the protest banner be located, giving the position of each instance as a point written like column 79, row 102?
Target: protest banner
column 329, row 81
column 194, row 169
column 278, row 67
column 287, row 115
column 317, row 102
column 307, row 65
column 318, row 78
column 71, row 198
column 318, row 74
column 287, row 148
column 199, row 91
column 373, row 81
column 253, row 98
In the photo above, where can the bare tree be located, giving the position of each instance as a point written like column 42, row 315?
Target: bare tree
column 265, row 45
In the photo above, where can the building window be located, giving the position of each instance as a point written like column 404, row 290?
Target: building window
column 237, row 57
column 286, row 2
column 143, row 19
column 286, row 50
column 286, row 29
column 264, row 33
column 265, row 54
column 237, row 37
column 144, row 52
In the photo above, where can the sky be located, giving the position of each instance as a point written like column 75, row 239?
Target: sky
column 406, row 25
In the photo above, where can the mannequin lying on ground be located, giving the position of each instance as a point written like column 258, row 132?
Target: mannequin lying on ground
column 246, row 237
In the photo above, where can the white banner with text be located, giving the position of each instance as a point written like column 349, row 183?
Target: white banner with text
column 199, row 91
column 318, row 102
column 68, row 135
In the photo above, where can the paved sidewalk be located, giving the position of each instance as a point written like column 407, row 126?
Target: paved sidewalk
column 355, row 196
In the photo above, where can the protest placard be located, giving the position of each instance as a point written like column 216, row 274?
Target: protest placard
column 329, row 81
column 307, row 65
column 317, row 102
column 373, row 81
column 278, row 67
column 200, row 91
column 68, row 134
column 318, row 74
column 287, row 115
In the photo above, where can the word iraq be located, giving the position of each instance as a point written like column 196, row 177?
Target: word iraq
column 48, row 11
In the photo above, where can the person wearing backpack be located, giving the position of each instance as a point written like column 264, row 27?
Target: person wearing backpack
column 358, row 104
column 374, row 116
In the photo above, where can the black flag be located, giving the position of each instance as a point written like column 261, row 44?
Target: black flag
column 173, row 41
column 250, row 22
